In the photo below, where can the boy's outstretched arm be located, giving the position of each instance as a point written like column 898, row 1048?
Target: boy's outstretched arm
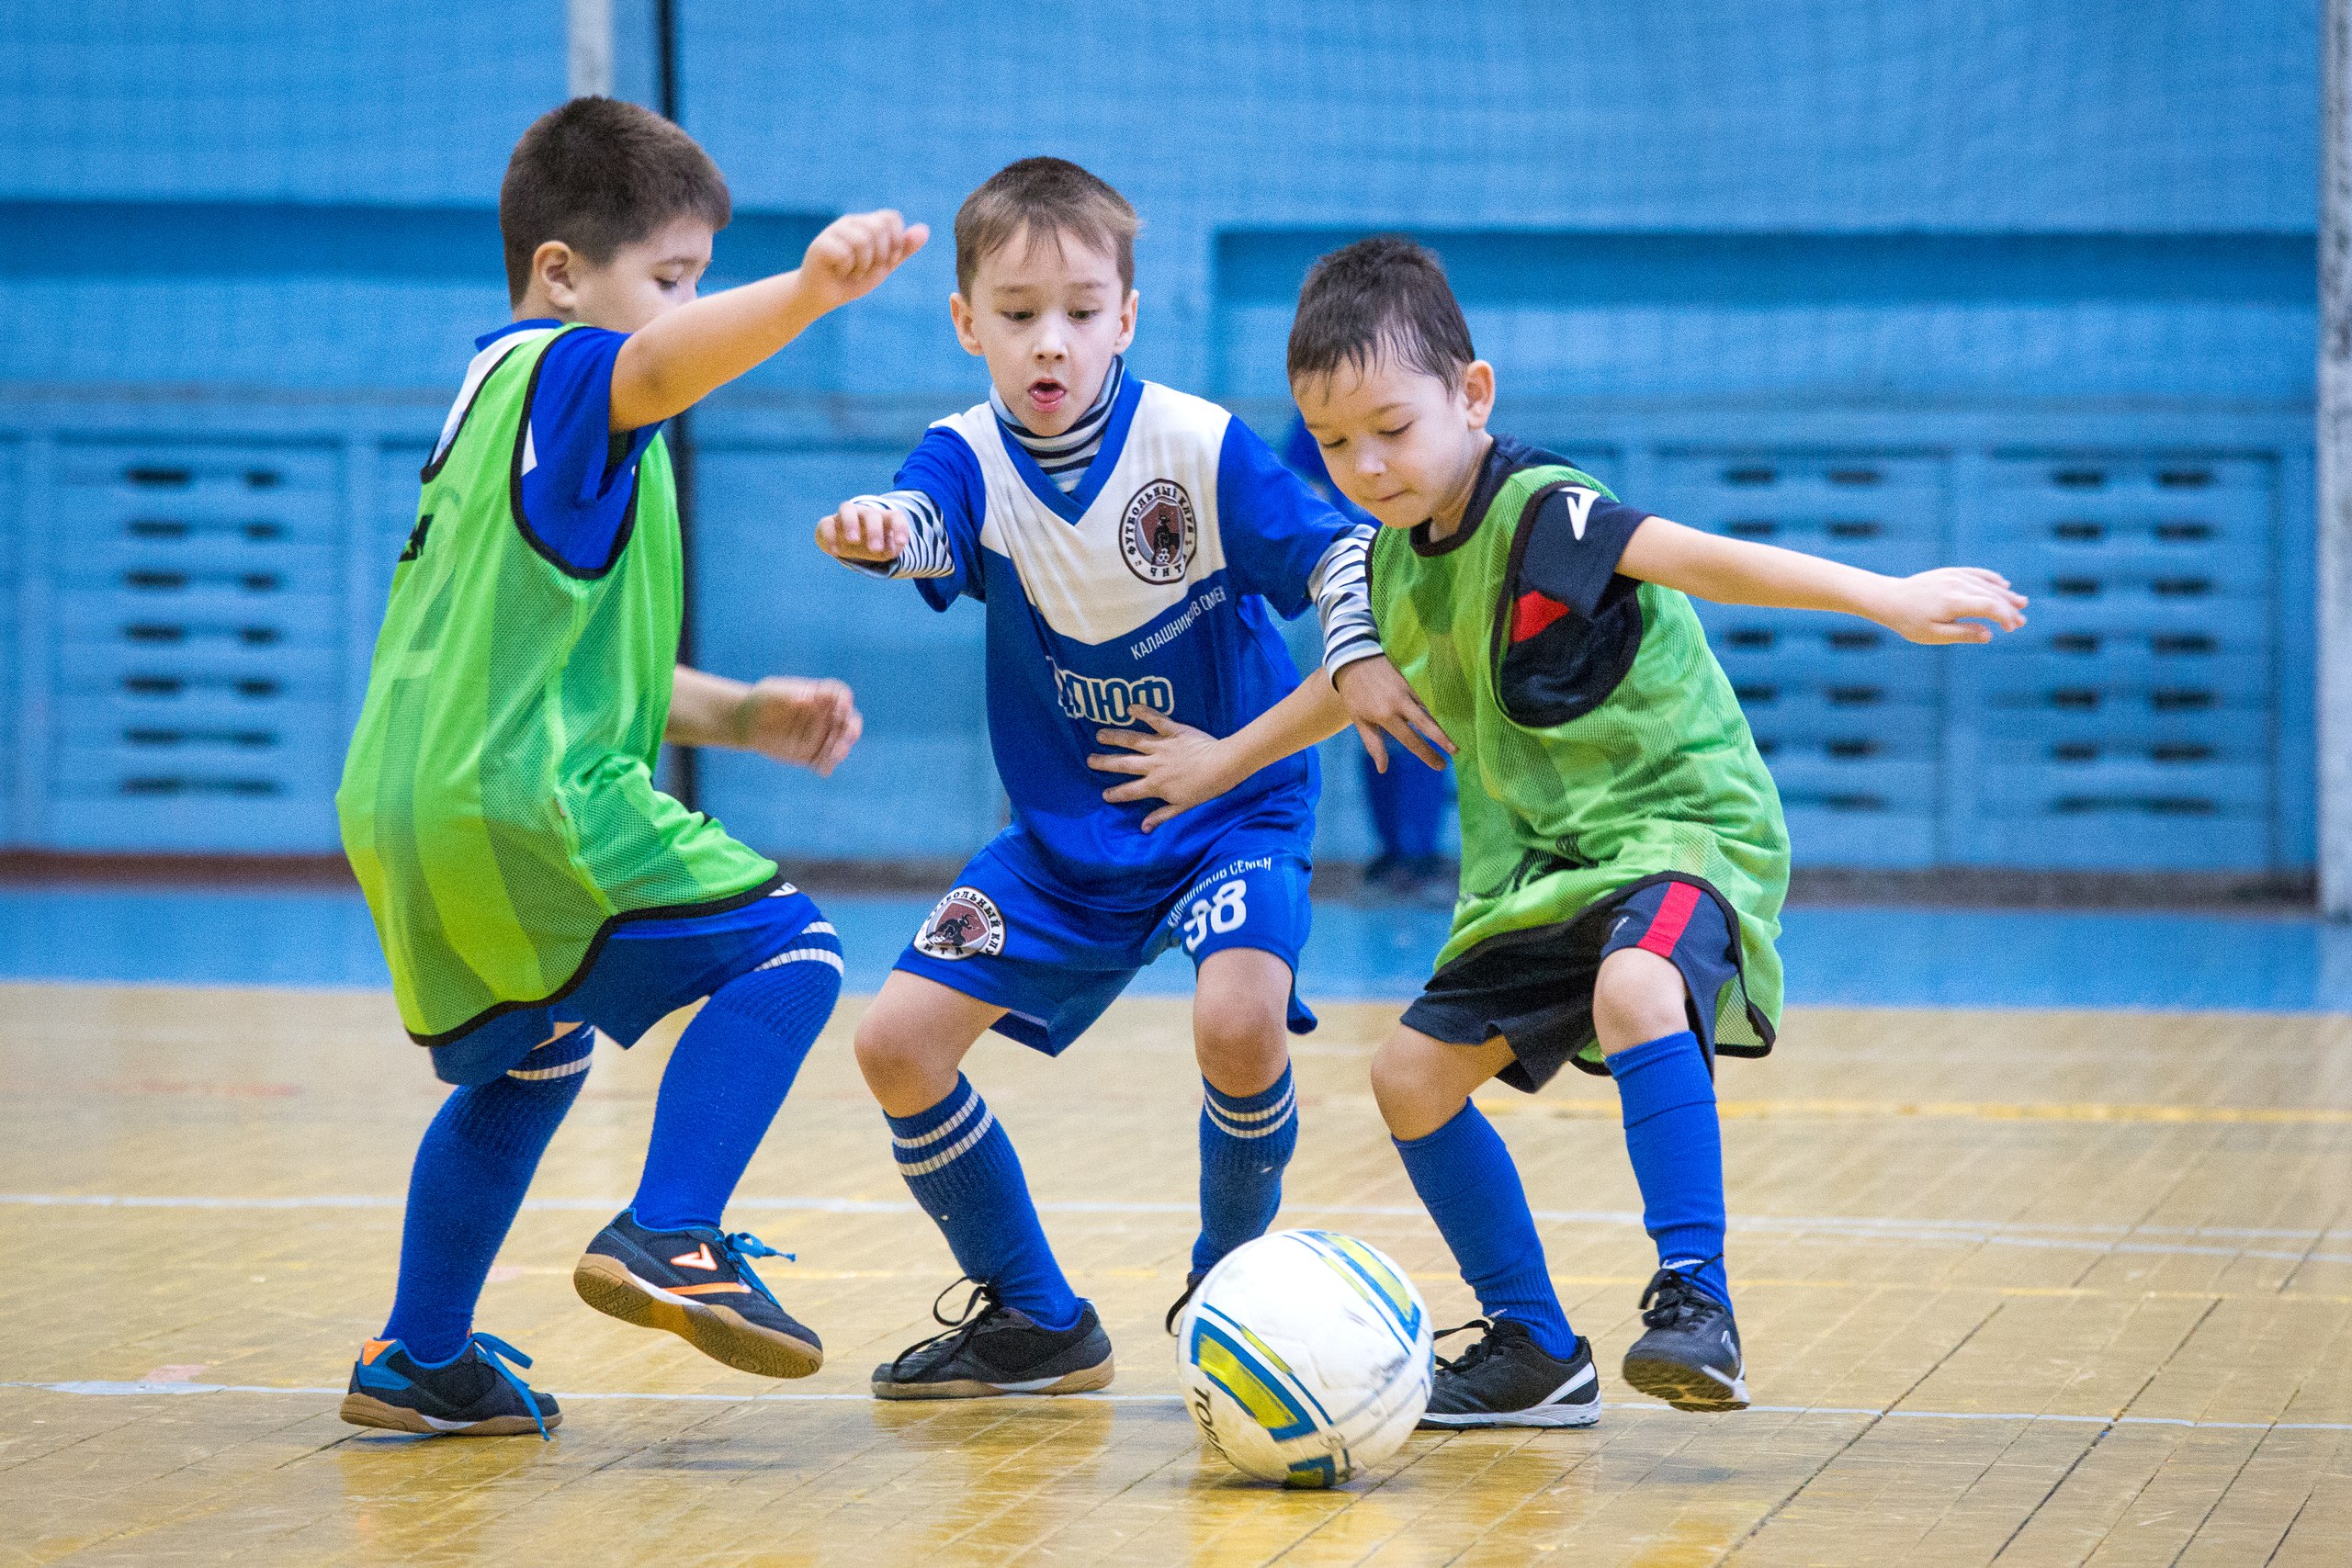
column 812, row 723
column 1182, row 766
column 1950, row 604
column 681, row 356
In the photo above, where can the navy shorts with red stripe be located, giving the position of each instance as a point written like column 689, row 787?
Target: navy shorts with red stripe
column 1533, row 987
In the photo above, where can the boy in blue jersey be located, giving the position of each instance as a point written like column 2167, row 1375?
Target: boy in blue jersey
column 1131, row 544
column 531, row 636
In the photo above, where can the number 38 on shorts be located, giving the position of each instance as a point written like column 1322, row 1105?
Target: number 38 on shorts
column 1221, row 911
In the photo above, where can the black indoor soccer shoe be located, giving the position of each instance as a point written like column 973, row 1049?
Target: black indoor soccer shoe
column 698, row 1284
column 1691, row 1356
column 475, row 1394
column 1508, row 1380
column 993, row 1350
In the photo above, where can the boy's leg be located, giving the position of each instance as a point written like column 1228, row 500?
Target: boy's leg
column 1248, row 1104
column 425, row 1373
column 1532, row 1369
column 1034, row 1335
column 1642, row 1013
column 767, row 974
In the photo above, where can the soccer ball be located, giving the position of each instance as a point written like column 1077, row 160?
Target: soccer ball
column 1305, row 1357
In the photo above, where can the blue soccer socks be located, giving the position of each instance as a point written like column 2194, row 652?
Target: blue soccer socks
column 1470, row 1186
column 467, row 1184
column 728, row 1077
column 960, row 1166
column 1246, row 1139
column 1676, row 1146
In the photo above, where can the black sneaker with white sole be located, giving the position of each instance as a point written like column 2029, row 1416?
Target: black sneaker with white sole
column 1508, row 1380
column 992, row 1348
column 1690, row 1356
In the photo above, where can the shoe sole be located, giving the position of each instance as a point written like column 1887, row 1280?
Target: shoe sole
column 607, row 1284
column 361, row 1411
column 1085, row 1379
column 1686, row 1387
column 1546, row 1415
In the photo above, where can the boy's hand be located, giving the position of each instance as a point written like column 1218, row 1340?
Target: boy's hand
column 862, row 530
column 813, row 722
column 853, row 253
column 1378, row 699
column 1170, row 762
column 1951, row 603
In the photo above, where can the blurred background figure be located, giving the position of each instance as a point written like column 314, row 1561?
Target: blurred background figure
column 1407, row 804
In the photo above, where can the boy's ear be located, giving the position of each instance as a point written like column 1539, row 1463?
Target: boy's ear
column 959, row 311
column 554, row 274
column 1128, row 321
column 1477, row 393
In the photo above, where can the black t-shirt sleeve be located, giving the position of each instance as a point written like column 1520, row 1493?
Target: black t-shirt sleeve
column 1573, row 542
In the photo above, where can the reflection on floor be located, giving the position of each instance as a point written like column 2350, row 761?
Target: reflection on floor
column 2046, row 1286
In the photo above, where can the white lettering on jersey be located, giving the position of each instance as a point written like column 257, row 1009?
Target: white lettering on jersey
column 1181, row 625
column 1108, row 700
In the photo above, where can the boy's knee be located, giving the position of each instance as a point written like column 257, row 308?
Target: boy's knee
column 888, row 1057
column 1405, row 1078
column 1242, row 1041
column 1637, row 997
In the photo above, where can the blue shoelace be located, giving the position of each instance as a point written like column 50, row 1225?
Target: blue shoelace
column 497, row 1352
column 740, row 1248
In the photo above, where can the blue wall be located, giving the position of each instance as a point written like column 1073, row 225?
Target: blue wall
column 2029, row 283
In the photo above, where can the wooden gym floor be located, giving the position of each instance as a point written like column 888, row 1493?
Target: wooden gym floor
column 2018, row 1286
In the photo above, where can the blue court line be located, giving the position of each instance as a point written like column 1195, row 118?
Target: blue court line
column 1834, row 956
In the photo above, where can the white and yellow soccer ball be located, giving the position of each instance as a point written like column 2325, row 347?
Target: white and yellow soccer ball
column 1305, row 1357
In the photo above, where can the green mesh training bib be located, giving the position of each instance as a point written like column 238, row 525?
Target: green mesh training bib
column 498, row 803
column 1660, row 774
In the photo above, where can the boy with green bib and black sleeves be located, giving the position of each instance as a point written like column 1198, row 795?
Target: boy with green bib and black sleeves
column 530, row 883
column 1623, row 856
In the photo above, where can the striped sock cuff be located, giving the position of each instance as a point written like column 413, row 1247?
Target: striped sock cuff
column 931, row 1140
column 818, row 943
column 1259, row 1115
column 566, row 1055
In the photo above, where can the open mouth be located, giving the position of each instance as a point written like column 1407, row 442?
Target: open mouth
column 1045, row 394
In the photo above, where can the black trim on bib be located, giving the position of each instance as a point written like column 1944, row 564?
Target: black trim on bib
column 438, row 461
column 719, row 906
column 621, row 536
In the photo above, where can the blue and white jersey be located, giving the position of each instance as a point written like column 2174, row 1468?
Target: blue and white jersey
column 1153, row 582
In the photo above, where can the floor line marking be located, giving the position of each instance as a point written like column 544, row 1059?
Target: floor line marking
column 2100, row 1238
column 101, row 1389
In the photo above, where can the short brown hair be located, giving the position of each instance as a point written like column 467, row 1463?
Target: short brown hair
column 1385, row 295
column 1047, row 196
column 598, row 173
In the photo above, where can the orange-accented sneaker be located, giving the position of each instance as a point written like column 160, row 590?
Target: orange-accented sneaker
column 472, row 1394
column 698, row 1284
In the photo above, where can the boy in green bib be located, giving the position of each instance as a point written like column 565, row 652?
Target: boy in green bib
column 529, row 883
column 1623, row 856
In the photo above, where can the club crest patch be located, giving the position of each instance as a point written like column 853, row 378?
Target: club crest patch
column 1159, row 534
column 965, row 923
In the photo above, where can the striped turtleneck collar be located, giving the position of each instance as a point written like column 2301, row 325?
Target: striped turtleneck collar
column 1065, row 457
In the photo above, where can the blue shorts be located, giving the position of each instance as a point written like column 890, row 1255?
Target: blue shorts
column 642, row 972
column 1053, row 960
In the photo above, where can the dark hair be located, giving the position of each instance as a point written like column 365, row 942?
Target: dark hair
column 599, row 173
column 1047, row 196
column 1385, row 295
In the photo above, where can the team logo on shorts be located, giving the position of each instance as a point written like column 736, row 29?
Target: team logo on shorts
column 965, row 923
column 1158, row 532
